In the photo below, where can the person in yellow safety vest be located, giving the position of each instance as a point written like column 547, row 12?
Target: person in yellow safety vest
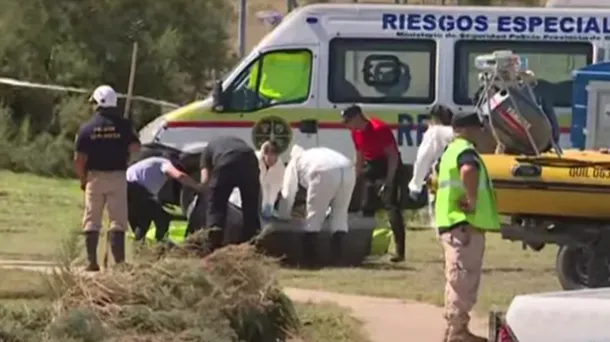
column 465, row 210
column 285, row 76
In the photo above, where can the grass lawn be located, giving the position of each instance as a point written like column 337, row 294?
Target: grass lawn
column 328, row 322
column 36, row 213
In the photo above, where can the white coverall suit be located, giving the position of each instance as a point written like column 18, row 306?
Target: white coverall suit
column 434, row 142
column 271, row 183
column 329, row 178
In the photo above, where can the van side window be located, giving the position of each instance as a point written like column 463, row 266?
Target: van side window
column 552, row 62
column 363, row 70
column 277, row 77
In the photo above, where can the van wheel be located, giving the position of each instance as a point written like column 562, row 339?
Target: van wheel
column 572, row 267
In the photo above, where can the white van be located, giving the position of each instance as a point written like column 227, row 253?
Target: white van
column 395, row 60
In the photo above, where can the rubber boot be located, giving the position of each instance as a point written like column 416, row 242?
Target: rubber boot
column 310, row 255
column 91, row 241
column 117, row 246
column 461, row 334
column 400, row 253
column 399, row 244
column 213, row 241
column 336, row 248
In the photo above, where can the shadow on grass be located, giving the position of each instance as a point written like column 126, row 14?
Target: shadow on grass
column 418, row 229
column 492, row 270
column 13, row 231
column 381, row 264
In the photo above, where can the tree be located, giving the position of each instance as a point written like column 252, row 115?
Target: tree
column 84, row 43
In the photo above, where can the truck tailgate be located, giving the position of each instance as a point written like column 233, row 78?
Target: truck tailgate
column 568, row 316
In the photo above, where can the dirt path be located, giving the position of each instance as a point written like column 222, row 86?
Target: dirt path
column 389, row 320
column 385, row 319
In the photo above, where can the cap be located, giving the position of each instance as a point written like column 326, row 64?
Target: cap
column 104, row 96
column 350, row 112
column 466, row 120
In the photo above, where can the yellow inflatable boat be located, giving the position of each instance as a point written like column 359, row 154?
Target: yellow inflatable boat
column 577, row 184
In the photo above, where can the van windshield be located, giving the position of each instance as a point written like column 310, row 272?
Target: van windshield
column 285, row 76
column 552, row 62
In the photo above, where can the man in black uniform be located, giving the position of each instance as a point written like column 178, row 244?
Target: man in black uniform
column 228, row 163
column 102, row 150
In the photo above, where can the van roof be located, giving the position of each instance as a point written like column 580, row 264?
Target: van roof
column 578, row 3
column 354, row 8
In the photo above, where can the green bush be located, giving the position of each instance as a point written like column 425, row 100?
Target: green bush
column 86, row 43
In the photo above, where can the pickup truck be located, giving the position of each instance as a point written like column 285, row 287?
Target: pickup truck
column 566, row 316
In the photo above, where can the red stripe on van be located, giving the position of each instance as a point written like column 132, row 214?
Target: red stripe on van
column 246, row 124
column 249, row 124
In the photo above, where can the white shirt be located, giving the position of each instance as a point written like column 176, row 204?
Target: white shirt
column 304, row 163
column 271, row 180
column 434, row 141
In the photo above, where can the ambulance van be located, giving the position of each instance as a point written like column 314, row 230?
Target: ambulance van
column 396, row 61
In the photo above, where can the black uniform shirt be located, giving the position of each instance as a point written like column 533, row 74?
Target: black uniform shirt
column 105, row 139
column 223, row 152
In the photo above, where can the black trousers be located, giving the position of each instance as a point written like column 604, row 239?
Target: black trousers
column 143, row 209
column 373, row 174
column 242, row 174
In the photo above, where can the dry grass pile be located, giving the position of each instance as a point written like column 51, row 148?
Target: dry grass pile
column 231, row 295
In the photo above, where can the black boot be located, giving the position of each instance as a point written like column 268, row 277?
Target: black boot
column 398, row 230
column 400, row 251
column 213, row 241
column 91, row 241
column 117, row 246
column 336, row 245
column 399, row 244
column 310, row 255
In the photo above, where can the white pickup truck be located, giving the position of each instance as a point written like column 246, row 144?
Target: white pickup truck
column 567, row 316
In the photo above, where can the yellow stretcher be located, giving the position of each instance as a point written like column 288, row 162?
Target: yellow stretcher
column 577, row 184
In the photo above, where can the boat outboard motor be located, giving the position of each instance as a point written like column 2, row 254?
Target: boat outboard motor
column 507, row 102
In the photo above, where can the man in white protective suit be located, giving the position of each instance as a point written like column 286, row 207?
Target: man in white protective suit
column 271, row 178
column 329, row 178
column 436, row 138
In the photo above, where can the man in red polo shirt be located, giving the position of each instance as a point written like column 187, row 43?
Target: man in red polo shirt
column 378, row 161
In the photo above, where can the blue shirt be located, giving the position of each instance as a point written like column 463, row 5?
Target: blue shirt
column 105, row 139
column 150, row 173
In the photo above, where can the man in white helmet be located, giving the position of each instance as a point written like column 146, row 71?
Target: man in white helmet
column 102, row 149
column 329, row 178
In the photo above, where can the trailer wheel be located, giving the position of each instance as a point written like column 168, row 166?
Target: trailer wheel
column 571, row 267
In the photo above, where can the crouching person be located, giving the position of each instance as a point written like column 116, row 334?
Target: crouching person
column 227, row 163
column 144, row 181
column 329, row 178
